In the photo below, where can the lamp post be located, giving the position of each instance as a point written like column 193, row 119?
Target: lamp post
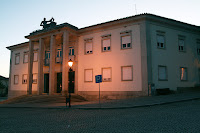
column 70, row 63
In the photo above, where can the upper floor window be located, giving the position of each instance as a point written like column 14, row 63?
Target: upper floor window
column 88, row 46
column 106, row 74
column 71, row 50
column 35, row 55
column 25, row 57
column 47, row 57
column 106, row 43
column 181, row 43
column 59, row 55
column 17, row 58
column 183, row 73
column 127, row 73
column 160, row 40
column 198, row 47
column 162, row 73
column 126, row 41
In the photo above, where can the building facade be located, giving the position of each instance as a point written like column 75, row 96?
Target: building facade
column 131, row 54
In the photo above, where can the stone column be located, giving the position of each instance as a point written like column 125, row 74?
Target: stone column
column 65, row 68
column 40, row 86
column 30, row 68
column 52, row 65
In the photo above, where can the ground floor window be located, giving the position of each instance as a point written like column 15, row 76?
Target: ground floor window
column 127, row 73
column 34, row 78
column 24, row 79
column 16, row 79
column 88, row 74
column 183, row 73
column 162, row 73
column 106, row 74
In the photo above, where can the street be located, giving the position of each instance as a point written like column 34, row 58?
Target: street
column 177, row 117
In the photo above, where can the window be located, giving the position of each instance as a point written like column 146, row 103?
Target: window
column 160, row 41
column 88, row 75
column 35, row 55
column 106, row 42
column 58, row 56
column 34, row 78
column 181, row 43
column 198, row 47
column 106, row 74
column 162, row 73
column 127, row 73
column 71, row 51
column 17, row 58
column 88, row 46
column 126, row 40
column 183, row 73
column 24, row 79
column 25, row 57
column 16, row 79
column 47, row 57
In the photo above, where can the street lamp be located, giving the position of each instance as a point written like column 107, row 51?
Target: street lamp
column 70, row 63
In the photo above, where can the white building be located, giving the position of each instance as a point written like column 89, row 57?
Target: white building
column 130, row 53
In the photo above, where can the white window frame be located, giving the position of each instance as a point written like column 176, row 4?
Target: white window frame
column 166, row 73
column 181, row 73
column 122, row 73
column 59, row 55
column 126, row 34
column 17, row 56
column 109, row 79
column 25, row 54
column 87, row 41
column 16, row 82
column 160, row 45
column 24, row 81
column 34, row 79
column 181, row 48
column 85, row 79
column 103, row 47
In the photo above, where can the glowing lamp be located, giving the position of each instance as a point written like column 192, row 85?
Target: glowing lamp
column 70, row 63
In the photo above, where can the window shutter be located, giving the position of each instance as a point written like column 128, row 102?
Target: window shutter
column 88, row 46
column 107, row 73
column 181, row 42
column 106, row 42
column 25, row 58
column 126, row 39
column 88, row 75
column 160, row 39
column 35, row 54
column 127, row 73
column 162, row 73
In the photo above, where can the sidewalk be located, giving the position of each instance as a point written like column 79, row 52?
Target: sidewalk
column 114, row 104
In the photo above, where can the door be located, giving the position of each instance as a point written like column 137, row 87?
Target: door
column 46, row 83
column 59, row 82
column 71, row 81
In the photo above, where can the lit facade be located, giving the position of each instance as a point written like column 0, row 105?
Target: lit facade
column 130, row 53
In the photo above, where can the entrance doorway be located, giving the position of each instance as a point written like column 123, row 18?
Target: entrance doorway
column 46, row 83
column 59, row 82
column 71, row 81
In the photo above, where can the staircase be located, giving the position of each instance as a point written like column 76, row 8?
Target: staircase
column 26, row 99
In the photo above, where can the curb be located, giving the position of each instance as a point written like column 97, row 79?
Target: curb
column 103, row 108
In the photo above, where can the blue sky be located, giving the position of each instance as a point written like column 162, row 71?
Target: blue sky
column 20, row 17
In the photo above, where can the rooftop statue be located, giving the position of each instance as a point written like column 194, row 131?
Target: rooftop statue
column 47, row 24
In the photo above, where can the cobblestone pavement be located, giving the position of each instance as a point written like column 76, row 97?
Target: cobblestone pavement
column 177, row 117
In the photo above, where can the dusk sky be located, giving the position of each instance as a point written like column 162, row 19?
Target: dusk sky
column 21, row 17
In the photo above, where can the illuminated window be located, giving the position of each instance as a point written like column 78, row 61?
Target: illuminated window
column 71, row 51
column 17, row 58
column 25, row 57
column 88, row 73
column 88, row 46
column 34, row 78
column 106, row 43
column 126, row 41
column 24, row 79
column 162, row 73
column 183, row 73
column 127, row 73
column 35, row 55
column 16, row 79
column 106, row 74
